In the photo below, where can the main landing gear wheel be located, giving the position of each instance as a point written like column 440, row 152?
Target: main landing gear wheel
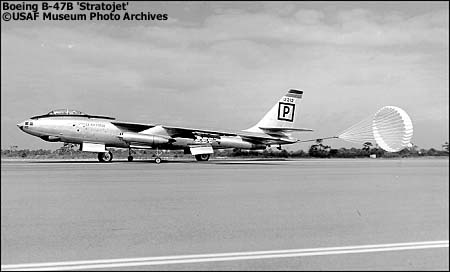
column 202, row 157
column 158, row 160
column 130, row 158
column 105, row 156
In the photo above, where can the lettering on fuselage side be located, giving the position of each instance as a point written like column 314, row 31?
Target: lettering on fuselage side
column 203, row 140
column 91, row 124
column 286, row 111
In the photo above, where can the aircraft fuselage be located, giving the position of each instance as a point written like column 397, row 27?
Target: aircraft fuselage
column 79, row 130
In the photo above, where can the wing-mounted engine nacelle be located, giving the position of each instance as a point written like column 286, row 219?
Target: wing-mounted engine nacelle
column 148, row 139
column 50, row 138
column 238, row 142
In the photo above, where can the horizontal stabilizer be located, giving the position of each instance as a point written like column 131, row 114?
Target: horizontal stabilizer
column 282, row 129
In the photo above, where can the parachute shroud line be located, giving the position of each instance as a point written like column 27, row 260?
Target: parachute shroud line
column 390, row 127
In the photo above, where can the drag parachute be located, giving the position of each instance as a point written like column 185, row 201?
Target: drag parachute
column 390, row 127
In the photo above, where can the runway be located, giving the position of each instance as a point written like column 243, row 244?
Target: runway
column 269, row 215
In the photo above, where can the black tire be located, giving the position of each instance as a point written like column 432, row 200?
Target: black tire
column 130, row 158
column 158, row 160
column 202, row 157
column 105, row 156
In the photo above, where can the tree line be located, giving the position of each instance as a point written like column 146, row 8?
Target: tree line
column 317, row 150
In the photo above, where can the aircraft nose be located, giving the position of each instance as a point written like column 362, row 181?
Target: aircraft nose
column 20, row 125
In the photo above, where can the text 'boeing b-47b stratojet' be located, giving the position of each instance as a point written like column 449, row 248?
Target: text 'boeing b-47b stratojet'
column 96, row 133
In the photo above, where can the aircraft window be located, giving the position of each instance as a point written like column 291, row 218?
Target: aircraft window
column 31, row 123
column 26, row 123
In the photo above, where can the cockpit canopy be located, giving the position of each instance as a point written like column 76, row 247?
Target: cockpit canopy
column 66, row 112
column 69, row 112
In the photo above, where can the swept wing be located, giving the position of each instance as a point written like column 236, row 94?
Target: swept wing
column 174, row 131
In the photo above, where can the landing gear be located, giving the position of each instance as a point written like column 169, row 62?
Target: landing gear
column 158, row 156
column 130, row 158
column 105, row 156
column 202, row 157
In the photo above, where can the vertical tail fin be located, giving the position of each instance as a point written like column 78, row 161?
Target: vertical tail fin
column 282, row 115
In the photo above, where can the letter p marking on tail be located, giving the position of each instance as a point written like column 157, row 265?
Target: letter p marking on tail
column 286, row 111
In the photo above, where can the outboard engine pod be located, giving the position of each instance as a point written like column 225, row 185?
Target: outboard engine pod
column 147, row 139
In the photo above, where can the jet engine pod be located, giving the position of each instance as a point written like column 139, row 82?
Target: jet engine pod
column 144, row 138
column 238, row 142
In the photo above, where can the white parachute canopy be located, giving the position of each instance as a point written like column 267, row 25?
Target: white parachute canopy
column 390, row 127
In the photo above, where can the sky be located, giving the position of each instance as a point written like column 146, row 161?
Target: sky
column 223, row 65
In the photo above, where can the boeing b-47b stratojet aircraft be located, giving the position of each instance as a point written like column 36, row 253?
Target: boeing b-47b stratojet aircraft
column 96, row 133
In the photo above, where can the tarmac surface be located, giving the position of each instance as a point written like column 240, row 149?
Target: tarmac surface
column 58, row 211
